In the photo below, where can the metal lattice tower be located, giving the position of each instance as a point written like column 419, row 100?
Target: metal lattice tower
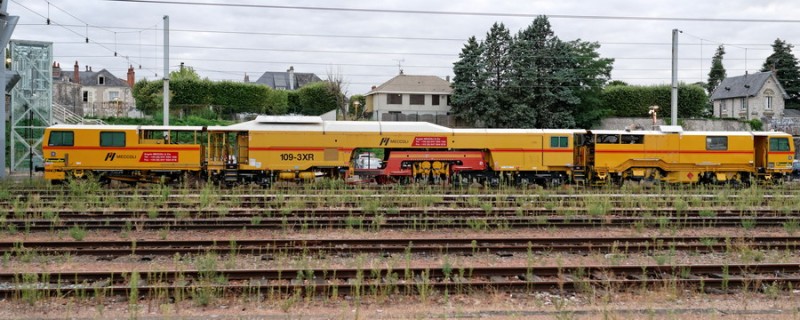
column 31, row 101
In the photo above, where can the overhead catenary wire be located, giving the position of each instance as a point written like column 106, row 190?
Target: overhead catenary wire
column 462, row 13
column 86, row 35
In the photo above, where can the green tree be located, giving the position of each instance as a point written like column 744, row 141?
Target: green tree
column 531, row 80
column 357, row 112
column 717, row 73
column 148, row 96
column 469, row 81
column 184, row 73
column 316, row 99
column 785, row 66
column 277, row 102
column 496, row 60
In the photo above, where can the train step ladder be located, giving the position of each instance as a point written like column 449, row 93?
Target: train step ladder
column 579, row 175
column 231, row 173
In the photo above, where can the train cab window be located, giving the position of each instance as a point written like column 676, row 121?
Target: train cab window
column 716, row 143
column 61, row 138
column 112, row 139
column 778, row 144
column 632, row 139
column 559, row 142
column 608, row 138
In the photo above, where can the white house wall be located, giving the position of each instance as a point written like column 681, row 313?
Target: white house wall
column 756, row 105
column 100, row 104
column 380, row 105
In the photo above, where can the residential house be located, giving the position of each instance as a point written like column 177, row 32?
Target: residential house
column 411, row 98
column 751, row 96
column 93, row 93
column 288, row 80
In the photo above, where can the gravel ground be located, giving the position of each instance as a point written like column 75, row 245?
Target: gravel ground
column 654, row 304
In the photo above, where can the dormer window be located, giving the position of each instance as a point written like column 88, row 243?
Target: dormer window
column 101, row 80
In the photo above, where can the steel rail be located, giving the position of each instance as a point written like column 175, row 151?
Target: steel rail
column 413, row 222
column 415, row 245
column 344, row 280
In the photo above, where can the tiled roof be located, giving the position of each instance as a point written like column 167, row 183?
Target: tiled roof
column 747, row 85
column 281, row 79
column 89, row 78
column 414, row 84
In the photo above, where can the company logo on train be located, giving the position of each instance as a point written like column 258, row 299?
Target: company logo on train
column 301, row 148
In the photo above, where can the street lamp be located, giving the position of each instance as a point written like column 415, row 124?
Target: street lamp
column 356, row 104
column 654, row 113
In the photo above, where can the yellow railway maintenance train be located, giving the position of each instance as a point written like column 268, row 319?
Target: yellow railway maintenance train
column 294, row 148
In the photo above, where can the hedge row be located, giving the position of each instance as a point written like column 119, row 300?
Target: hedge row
column 226, row 98
column 635, row 101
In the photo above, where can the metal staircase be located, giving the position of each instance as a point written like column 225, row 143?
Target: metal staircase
column 62, row 115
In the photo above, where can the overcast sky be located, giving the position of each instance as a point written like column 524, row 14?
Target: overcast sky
column 366, row 46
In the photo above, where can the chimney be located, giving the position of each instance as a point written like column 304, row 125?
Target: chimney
column 374, row 87
column 131, row 76
column 56, row 71
column 291, row 77
column 246, row 78
column 76, row 74
column 90, row 69
column 447, row 78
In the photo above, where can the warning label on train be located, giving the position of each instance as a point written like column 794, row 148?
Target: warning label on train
column 159, row 157
column 429, row 142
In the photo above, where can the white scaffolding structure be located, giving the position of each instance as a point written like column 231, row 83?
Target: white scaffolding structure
column 31, row 101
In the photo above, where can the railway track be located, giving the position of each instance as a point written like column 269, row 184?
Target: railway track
column 407, row 280
column 222, row 211
column 463, row 246
column 419, row 222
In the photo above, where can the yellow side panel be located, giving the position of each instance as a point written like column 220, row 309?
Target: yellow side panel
column 557, row 156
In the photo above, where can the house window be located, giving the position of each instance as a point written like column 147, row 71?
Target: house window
column 716, row 143
column 435, row 100
column 113, row 95
column 418, row 99
column 743, row 104
column 768, row 103
column 559, row 142
column 61, row 138
column 101, row 80
column 778, row 144
column 722, row 107
column 86, row 96
column 394, row 98
column 112, row 139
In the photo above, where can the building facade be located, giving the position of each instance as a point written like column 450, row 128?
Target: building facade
column 91, row 93
column 411, row 98
column 751, row 96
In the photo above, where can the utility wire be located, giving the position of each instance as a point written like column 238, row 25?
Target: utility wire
column 73, row 31
column 460, row 13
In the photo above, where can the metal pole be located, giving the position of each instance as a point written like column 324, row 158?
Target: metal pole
column 3, row 115
column 30, row 140
column 7, row 25
column 674, row 102
column 166, row 70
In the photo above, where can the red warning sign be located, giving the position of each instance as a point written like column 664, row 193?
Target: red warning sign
column 159, row 157
column 429, row 142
